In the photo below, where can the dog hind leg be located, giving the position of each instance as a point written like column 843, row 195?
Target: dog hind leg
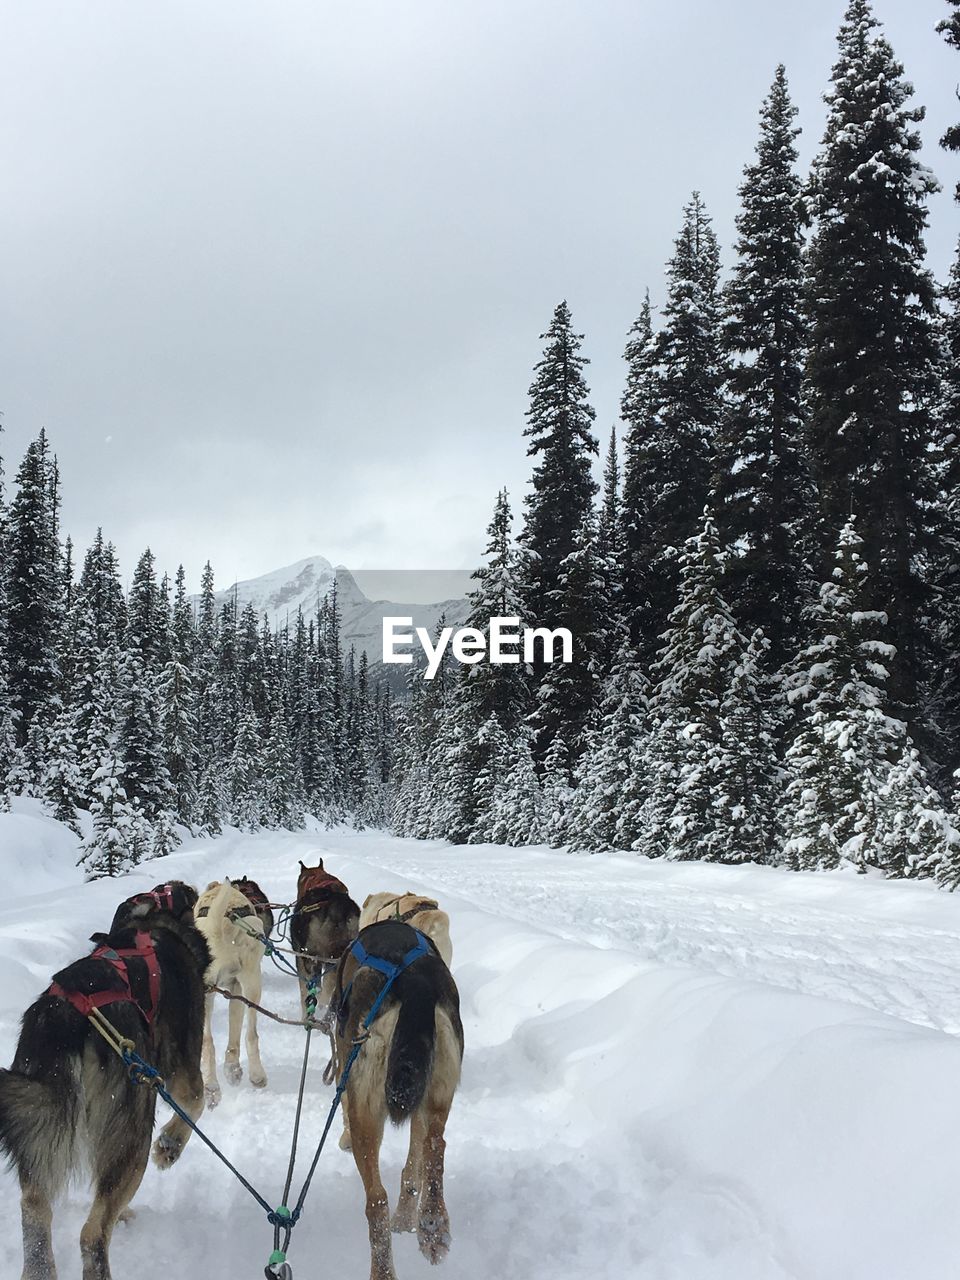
column 231, row 1059
column 254, row 989
column 36, row 1213
column 366, row 1129
column 117, row 1179
column 433, row 1226
column 208, row 1057
column 405, row 1217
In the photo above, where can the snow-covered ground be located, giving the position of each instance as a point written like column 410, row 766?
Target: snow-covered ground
column 672, row 1072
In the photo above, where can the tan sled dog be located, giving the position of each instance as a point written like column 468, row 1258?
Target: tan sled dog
column 220, row 914
column 408, row 1068
column 413, row 909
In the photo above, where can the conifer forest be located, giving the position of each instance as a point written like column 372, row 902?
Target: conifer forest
column 760, row 569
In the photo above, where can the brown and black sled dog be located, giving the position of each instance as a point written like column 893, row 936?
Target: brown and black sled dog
column 68, row 1104
column 408, row 1068
column 325, row 921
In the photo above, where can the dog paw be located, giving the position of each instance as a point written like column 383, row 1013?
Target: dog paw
column 345, row 1143
column 233, row 1071
column 126, row 1215
column 212, row 1095
column 166, row 1151
column 433, row 1237
column 258, row 1079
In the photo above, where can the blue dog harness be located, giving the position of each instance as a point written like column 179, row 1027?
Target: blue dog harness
column 389, row 970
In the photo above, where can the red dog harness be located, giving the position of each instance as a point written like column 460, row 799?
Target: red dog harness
column 316, row 880
column 85, row 1002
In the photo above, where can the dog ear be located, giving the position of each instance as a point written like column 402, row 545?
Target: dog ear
column 214, row 884
column 100, row 938
column 366, row 901
column 302, row 867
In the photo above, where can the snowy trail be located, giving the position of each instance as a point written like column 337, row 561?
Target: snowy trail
column 890, row 946
column 618, row 1118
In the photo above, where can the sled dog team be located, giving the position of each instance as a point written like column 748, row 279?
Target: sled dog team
column 68, row 1102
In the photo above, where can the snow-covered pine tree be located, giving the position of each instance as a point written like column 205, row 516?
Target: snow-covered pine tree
column 141, row 769
column 481, row 695
column 33, row 583
column 763, row 492
column 282, row 784
column 868, row 421
column 846, row 740
column 559, row 421
column 516, row 813
column 604, row 772
column 7, row 733
column 114, row 843
column 556, row 795
column 245, row 774
column 672, row 407
column 62, row 783
column 568, row 696
column 949, row 28
column 943, row 676
column 915, row 836
column 146, row 621
column 179, row 728
column 747, row 780
column 637, row 411
column 687, row 772
column 611, row 557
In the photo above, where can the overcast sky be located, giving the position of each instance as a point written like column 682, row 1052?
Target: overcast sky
column 273, row 275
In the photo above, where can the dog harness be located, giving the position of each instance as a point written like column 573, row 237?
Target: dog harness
column 422, row 904
column 319, row 880
column 389, row 970
column 145, row 950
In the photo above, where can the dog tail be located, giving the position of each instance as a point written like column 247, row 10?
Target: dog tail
column 410, row 1062
column 39, row 1121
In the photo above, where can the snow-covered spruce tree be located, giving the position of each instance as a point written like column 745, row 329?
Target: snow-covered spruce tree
column 62, row 782
column 146, row 623
column 915, row 837
column 943, row 681
column 763, row 492
column 178, row 707
column 114, row 845
column 637, row 411
column 846, row 741
column 33, row 582
column 747, row 781
column 488, row 700
column 868, row 420
column 556, row 797
column 7, row 734
column 611, row 557
column 604, row 772
column 142, row 768
column 672, row 428
column 949, row 28
column 516, row 814
column 282, row 783
column 568, row 696
column 245, row 774
column 696, row 768
column 559, row 422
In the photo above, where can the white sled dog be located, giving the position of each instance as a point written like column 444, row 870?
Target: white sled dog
column 415, row 910
column 221, row 914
